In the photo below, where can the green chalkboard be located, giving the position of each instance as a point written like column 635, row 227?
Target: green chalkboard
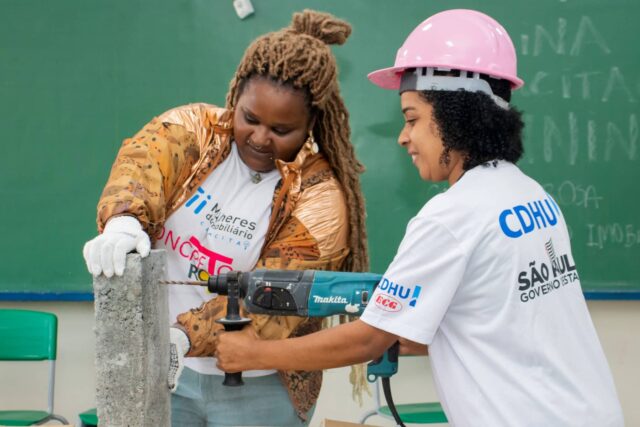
column 78, row 76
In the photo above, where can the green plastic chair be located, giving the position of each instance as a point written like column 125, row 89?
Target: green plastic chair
column 29, row 336
column 88, row 418
column 410, row 413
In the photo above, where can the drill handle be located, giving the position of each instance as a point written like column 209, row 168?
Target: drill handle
column 234, row 378
column 228, row 285
column 384, row 366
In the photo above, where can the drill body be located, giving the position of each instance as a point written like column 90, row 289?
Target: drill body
column 304, row 293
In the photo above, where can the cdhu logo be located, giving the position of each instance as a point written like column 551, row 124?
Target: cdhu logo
column 521, row 219
column 395, row 293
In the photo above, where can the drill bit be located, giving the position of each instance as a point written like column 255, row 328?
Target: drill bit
column 182, row 282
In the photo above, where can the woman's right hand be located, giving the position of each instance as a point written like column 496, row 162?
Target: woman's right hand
column 107, row 253
column 235, row 351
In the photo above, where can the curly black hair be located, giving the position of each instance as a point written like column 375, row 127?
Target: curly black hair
column 474, row 125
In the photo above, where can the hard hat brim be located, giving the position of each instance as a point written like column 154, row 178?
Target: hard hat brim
column 389, row 78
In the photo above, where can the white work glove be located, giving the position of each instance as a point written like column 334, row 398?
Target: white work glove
column 178, row 347
column 107, row 253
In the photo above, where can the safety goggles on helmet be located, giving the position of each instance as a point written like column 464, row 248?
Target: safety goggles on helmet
column 425, row 78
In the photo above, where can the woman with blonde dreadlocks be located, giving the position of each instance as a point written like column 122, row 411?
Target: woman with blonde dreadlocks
column 270, row 181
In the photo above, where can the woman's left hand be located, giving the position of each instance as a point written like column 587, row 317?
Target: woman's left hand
column 237, row 351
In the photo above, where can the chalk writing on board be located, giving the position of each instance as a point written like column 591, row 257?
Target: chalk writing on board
column 600, row 236
column 569, row 39
column 605, row 86
column 579, row 135
column 573, row 139
column 568, row 193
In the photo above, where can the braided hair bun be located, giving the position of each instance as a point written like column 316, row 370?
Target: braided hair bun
column 322, row 26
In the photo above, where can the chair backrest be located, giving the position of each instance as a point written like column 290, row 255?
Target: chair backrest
column 27, row 335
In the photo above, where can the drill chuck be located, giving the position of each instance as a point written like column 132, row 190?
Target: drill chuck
column 220, row 284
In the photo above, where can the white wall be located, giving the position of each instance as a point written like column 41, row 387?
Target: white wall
column 617, row 323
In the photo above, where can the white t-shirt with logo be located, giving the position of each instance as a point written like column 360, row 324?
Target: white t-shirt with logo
column 222, row 227
column 486, row 277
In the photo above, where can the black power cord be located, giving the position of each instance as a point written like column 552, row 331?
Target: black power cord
column 383, row 368
column 392, row 354
column 386, row 388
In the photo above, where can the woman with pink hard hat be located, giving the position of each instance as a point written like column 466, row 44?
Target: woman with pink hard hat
column 484, row 279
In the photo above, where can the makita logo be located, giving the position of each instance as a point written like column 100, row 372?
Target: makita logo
column 329, row 300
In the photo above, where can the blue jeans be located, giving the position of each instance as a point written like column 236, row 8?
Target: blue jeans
column 202, row 401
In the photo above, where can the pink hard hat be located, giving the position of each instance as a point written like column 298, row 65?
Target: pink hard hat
column 458, row 39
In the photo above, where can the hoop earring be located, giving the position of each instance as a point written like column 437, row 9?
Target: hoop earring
column 311, row 140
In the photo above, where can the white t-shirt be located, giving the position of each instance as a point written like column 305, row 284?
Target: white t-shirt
column 222, row 227
column 485, row 276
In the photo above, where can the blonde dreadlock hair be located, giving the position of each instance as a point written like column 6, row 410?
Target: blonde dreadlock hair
column 299, row 56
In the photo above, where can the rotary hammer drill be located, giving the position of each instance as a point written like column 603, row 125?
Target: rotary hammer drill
column 304, row 293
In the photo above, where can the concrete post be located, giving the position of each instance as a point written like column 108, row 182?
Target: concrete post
column 132, row 345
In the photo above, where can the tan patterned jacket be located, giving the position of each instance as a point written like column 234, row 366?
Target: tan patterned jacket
column 158, row 169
